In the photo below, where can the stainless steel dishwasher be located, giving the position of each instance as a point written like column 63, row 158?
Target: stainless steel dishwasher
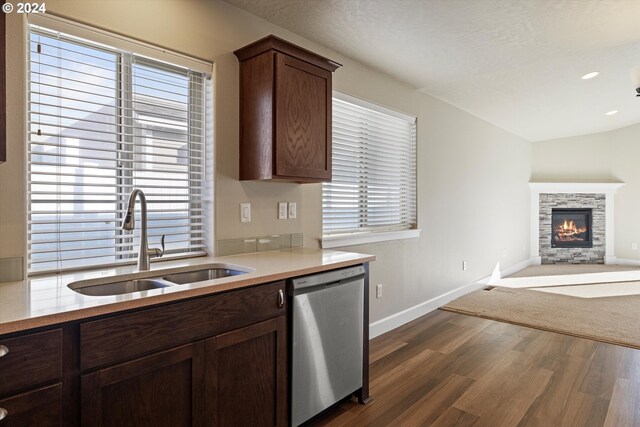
column 326, row 347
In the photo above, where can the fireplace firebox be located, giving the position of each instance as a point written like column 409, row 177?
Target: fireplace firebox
column 571, row 228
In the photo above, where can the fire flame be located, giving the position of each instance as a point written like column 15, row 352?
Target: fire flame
column 569, row 226
column 569, row 231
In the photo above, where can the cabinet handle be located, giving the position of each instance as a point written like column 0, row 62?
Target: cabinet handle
column 3, row 414
column 3, row 352
column 280, row 298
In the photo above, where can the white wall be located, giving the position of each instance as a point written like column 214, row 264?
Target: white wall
column 472, row 177
column 582, row 158
column 606, row 156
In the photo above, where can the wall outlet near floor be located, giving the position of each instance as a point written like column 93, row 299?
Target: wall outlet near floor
column 634, row 246
column 282, row 210
column 464, row 265
column 378, row 291
column 504, row 253
column 293, row 210
column 245, row 212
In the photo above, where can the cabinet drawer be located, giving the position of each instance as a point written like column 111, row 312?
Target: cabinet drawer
column 42, row 408
column 124, row 337
column 31, row 360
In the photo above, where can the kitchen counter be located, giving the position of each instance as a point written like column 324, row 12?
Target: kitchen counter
column 46, row 300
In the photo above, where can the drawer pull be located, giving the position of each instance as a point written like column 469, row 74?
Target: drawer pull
column 3, row 352
column 3, row 414
column 280, row 298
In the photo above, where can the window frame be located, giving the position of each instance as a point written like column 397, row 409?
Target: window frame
column 375, row 234
column 125, row 57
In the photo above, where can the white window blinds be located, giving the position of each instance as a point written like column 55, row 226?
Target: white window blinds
column 373, row 187
column 101, row 122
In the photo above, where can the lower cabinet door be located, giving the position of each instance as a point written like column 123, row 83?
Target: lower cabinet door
column 41, row 407
column 246, row 376
column 164, row 389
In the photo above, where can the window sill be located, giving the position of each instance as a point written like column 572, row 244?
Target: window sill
column 340, row 240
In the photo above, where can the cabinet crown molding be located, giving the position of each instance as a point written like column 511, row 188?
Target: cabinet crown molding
column 272, row 42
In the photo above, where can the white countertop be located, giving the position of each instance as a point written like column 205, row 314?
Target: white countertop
column 46, row 300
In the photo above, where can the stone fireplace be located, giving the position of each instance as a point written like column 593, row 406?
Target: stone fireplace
column 576, row 234
column 572, row 223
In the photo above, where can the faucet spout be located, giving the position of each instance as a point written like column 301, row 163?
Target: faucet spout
column 129, row 223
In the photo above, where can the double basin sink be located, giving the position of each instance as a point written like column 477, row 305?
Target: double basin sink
column 163, row 281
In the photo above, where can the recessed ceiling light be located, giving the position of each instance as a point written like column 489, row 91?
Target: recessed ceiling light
column 590, row 75
column 612, row 112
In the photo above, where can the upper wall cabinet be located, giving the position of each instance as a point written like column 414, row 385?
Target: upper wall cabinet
column 3, row 93
column 285, row 112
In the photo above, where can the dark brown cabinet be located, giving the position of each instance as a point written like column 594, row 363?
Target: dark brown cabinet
column 118, row 338
column 232, row 373
column 3, row 90
column 246, row 376
column 27, row 363
column 235, row 379
column 285, row 112
column 30, row 360
column 41, row 407
column 164, row 389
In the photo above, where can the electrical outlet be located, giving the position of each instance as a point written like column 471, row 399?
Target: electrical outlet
column 378, row 291
column 504, row 253
column 282, row 210
column 245, row 212
column 464, row 265
column 293, row 210
column 634, row 246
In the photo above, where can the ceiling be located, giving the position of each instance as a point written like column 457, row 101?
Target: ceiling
column 515, row 63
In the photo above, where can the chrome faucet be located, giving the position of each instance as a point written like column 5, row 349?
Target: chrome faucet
column 129, row 223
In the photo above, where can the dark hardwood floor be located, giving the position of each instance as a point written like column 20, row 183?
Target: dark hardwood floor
column 448, row 369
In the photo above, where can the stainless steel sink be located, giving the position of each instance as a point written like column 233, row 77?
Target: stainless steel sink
column 118, row 288
column 189, row 277
column 206, row 272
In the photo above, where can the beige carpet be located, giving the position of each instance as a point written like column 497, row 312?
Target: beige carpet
column 607, row 312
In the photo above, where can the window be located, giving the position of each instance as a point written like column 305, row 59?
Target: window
column 103, row 121
column 373, row 188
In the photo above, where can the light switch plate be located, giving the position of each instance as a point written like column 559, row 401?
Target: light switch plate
column 282, row 210
column 245, row 212
column 293, row 210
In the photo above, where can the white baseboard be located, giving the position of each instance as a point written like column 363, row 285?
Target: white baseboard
column 626, row 261
column 405, row 316
column 610, row 260
column 536, row 260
